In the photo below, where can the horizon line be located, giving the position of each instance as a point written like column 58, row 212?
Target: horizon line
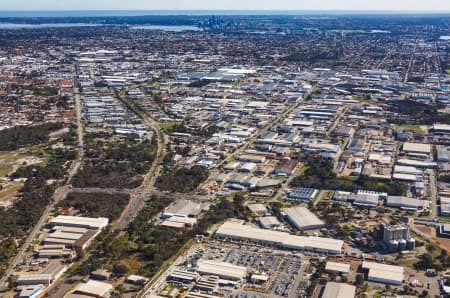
column 231, row 10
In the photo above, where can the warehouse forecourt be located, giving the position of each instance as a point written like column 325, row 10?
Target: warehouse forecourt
column 237, row 231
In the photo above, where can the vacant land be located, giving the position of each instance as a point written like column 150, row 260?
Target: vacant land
column 11, row 161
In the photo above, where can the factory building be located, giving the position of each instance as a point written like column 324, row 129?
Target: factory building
column 340, row 268
column 338, row 290
column 93, row 288
column 385, row 274
column 302, row 193
column 407, row 203
column 397, row 237
column 223, row 270
column 302, row 219
column 80, row 222
column 239, row 232
column 182, row 208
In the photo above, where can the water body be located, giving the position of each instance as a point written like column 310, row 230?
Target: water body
column 112, row 13
column 445, row 37
column 380, row 31
column 16, row 26
column 167, row 28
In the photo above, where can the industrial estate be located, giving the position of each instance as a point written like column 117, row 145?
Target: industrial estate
column 240, row 156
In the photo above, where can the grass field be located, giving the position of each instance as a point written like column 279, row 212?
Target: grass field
column 9, row 193
column 168, row 125
column 412, row 127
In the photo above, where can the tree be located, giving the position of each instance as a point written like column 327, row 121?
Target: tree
column 359, row 280
column 120, row 269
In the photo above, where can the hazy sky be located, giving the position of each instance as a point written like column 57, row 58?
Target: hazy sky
column 417, row 5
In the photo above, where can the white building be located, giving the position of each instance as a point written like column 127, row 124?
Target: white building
column 382, row 273
column 302, row 219
column 239, row 232
column 80, row 222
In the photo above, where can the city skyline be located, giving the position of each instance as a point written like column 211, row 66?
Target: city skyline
column 337, row 5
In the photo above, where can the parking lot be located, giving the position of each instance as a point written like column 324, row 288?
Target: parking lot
column 285, row 270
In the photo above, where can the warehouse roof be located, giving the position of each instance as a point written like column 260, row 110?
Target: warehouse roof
column 302, row 218
column 221, row 269
column 93, row 287
column 417, row 147
column 258, row 208
column 405, row 202
column 338, row 290
column 183, row 208
column 337, row 267
column 379, row 271
column 77, row 221
column 239, row 231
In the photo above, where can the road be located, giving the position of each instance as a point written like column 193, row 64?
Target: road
column 411, row 61
column 59, row 194
column 433, row 193
column 137, row 201
column 153, row 284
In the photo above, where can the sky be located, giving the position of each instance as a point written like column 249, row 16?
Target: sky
column 385, row 5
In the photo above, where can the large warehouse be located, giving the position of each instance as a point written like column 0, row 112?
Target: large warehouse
column 382, row 273
column 237, row 231
column 407, row 203
column 338, row 290
column 80, row 222
column 183, row 208
column 222, row 269
column 302, row 219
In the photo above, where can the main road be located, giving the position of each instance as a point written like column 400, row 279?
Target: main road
column 137, row 201
column 59, row 194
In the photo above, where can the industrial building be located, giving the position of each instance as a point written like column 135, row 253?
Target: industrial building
column 223, row 270
column 239, row 232
column 33, row 279
column 338, row 290
column 444, row 230
column 93, row 289
column 397, row 237
column 80, row 222
column 445, row 206
column 71, row 237
column 382, row 273
column 340, row 268
column 442, row 153
column 32, row 291
column 417, row 148
column 51, row 273
column 407, row 203
column 302, row 193
column 441, row 129
column 269, row 222
column 302, row 219
column 394, row 232
column 183, row 208
column 258, row 209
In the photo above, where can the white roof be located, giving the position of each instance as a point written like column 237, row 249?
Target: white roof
column 338, row 290
column 221, row 269
column 302, row 218
column 257, row 208
column 95, row 288
column 417, row 147
column 31, row 277
column 237, row 230
column 378, row 271
column 77, row 221
column 338, row 267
